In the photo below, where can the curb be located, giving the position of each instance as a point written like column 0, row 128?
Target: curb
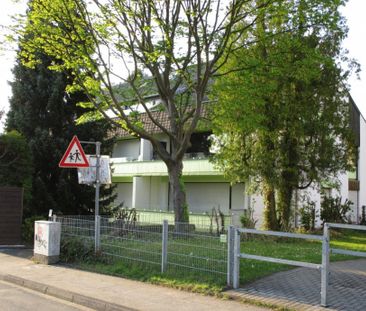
column 76, row 298
column 12, row 246
column 275, row 303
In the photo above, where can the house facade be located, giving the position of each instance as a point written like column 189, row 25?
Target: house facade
column 142, row 178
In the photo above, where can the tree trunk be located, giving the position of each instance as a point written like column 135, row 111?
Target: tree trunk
column 289, row 179
column 270, row 215
column 177, row 192
column 285, row 193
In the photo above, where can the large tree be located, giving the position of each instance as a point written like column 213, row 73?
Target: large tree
column 180, row 44
column 45, row 114
column 283, row 114
column 16, row 166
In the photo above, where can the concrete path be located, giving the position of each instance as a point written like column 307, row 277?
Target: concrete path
column 300, row 288
column 102, row 292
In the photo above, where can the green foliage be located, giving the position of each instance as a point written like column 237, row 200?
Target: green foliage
column 185, row 207
column 91, row 41
column 308, row 216
column 28, row 228
column 333, row 210
column 16, row 162
column 45, row 114
column 282, row 113
column 363, row 216
column 127, row 215
column 192, row 281
column 247, row 220
column 76, row 250
column 217, row 221
column 209, row 284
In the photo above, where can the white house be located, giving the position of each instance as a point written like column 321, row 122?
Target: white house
column 142, row 179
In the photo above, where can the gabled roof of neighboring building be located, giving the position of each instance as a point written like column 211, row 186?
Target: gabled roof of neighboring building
column 163, row 118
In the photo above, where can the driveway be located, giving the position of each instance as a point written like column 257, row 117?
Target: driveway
column 300, row 288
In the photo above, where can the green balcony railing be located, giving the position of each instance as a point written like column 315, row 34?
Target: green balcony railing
column 191, row 167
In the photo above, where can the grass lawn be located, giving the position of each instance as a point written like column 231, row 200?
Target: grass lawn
column 191, row 252
column 293, row 249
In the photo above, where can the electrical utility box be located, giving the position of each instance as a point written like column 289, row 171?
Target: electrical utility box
column 47, row 236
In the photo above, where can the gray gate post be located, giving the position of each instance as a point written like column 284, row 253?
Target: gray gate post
column 164, row 247
column 230, row 255
column 97, row 189
column 325, row 266
column 236, row 265
column 97, row 234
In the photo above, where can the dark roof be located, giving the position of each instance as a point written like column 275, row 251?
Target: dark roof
column 163, row 118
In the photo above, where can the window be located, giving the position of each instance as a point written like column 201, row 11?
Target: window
column 200, row 144
column 155, row 154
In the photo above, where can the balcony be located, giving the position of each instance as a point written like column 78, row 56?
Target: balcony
column 191, row 167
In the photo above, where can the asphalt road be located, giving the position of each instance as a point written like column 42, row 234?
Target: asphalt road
column 14, row 298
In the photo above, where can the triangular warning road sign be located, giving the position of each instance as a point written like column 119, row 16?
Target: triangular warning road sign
column 74, row 155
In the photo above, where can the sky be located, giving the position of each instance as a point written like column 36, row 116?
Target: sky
column 355, row 44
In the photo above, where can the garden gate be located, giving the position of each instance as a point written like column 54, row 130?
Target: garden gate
column 235, row 254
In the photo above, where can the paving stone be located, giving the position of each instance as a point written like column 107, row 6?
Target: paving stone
column 299, row 288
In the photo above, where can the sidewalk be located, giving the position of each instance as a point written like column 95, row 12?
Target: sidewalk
column 102, row 292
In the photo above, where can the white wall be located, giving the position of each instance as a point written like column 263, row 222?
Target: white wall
column 124, row 194
column 313, row 193
column 159, row 189
column 127, row 148
column 202, row 197
column 238, row 198
column 343, row 191
column 239, row 202
column 256, row 202
column 145, row 150
column 150, row 193
column 141, row 193
column 353, row 197
column 362, row 164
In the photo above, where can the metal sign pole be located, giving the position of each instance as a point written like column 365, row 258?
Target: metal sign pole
column 97, row 188
column 97, row 191
column 75, row 157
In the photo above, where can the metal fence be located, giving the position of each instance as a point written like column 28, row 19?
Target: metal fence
column 344, row 251
column 235, row 253
column 197, row 248
column 178, row 246
column 201, row 221
column 190, row 247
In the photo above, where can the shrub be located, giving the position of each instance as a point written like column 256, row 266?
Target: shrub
column 217, row 218
column 308, row 216
column 332, row 210
column 247, row 220
column 363, row 216
column 28, row 228
column 75, row 249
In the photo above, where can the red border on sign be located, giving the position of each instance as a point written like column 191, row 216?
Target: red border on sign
column 76, row 141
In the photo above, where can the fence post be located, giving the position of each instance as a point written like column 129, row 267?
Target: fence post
column 236, row 264
column 164, row 247
column 325, row 266
column 97, row 233
column 230, row 255
column 50, row 214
